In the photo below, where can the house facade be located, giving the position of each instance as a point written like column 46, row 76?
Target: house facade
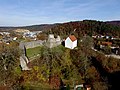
column 71, row 42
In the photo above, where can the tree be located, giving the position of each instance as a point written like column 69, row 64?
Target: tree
column 87, row 42
column 42, row 36
column 107, row 50
column 100, row 85
column 9, row 59
column 50, row 59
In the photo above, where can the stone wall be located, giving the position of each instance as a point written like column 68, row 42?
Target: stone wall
column 50, row 43
column 31, row 44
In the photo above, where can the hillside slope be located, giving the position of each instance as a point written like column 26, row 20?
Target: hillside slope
column 32, row 28
column 90, row 27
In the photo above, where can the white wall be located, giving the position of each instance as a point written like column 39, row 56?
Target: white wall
column 75, row 44
column 68, row 43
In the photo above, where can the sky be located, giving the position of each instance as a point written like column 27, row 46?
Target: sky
column 32, row 12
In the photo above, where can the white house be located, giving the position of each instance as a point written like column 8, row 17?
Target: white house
column 71, row 42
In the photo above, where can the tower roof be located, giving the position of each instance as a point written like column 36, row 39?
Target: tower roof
column 73, row 38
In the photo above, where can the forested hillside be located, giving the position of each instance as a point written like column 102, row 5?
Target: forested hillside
column 31, row 28
column 89, row 27
column 114, row 22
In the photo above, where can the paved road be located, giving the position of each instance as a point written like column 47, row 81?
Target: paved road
column 111, row 55
column 114, row 56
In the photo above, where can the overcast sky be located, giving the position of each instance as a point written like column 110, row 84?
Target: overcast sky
column 30, row 12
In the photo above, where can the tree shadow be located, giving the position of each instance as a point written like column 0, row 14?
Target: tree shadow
column 63, row 43
column 113, row 79
column 62, row 85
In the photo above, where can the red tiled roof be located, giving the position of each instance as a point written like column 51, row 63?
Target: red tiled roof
column 106, row 43
column 73, row 38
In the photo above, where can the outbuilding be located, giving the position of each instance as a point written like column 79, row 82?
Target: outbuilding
column 71, row 42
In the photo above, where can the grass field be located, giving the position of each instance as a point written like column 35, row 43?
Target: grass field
column 31, row 52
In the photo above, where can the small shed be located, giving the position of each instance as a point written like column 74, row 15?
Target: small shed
column 71, row 42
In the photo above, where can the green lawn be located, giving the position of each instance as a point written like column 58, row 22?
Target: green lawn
column 31, row 52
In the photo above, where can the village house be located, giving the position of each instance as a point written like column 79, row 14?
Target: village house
column 115, row 49
column 103, row 44
column 71, row 42
column 22, row 31
column 30, row 35
column 98, row 36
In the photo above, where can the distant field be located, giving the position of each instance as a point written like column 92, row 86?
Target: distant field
column 31, row 52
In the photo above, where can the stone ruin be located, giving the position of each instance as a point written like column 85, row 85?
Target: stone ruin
column 52, row 41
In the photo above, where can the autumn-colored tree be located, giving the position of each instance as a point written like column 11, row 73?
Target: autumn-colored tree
column 100, row 85
column 41, row 36
column 9, row 59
